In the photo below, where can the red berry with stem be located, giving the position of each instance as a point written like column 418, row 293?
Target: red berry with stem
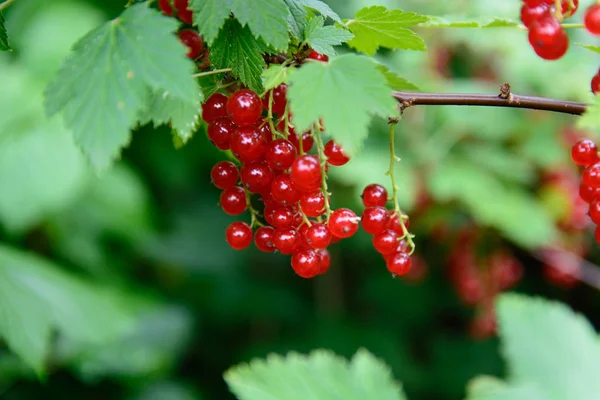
column 313, row 204
column 595, row 84
column 233, row 200
column 548, row 38
column 591, row 175
column 219, row 132
column 335, row 154
column 386, row 242
column 214, row 107
column 280, row 154
column 530, row 14
column 283, row 190
column 224, row 174
column 256, row 176
column 398, row 263
column 263, row 239
column 325, row 260
column 248, row 144
column 193, row 41
column 395, row 224
column 565, row 8
column 584, row 152
column 183, row 12
column 238, row 235
column 244, row 107
column 588, row 194
column 374, row 195
column 286, row 240
column 306, row 263
column 318, row 236
column 265, row 130
column 165, row 7
column 318, row 56
column 374, row 219
column 279, row 99
column 307, row 141
column 343, row 223
column 306, row 173
column 282, row 218
column 595, row 211
column 591, row 19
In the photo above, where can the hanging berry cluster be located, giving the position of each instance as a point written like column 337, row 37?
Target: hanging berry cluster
column 585, row 153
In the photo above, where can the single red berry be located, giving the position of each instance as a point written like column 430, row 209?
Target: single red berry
column 238, row 235
column 325, row 260
column 592, row 19
column 588, row 194
column 224, row 174
column 530, row 14
column 264, row 129
column 165, row 7
column 374, row 219
column 306, row 173
column 256, row 176
column 244, row 107
column 286, row 240
column 263, row 239
column 220, row 132
column 248, row 144
column 595, row 84
column 505, row 269
column 282, row 217
column 398, row 263
column 183, row 12
column 313, row 204
column 584, row 152
column 386, row 242
column 394, row 222
column 374, row 195
column 307, row 141
column 318, row 56
column 591, row 175
column 283, row 190
column 335, row 154
column 565, row 8
column 343, row 223
column 318, row 236
column 214, row 107
column 279, row 99
column 233, row 200
column 548, row 38
column 280, row 154
column 193, row 41
column 595, row 211
column 306, row 263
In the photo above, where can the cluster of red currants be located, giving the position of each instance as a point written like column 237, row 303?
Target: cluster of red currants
column 189, row 37
column 585, row 153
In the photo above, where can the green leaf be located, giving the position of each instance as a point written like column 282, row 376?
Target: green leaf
column 238, row 49
column 275, row 75
column 344, row 92
column 461, row 22
column 36, row 297
column 209, row 17
column 321, row 8
column 591, row 118
column 395, row 81
column 297, row 18
column 490, row 388
column 323, row 38
column 376, row 26
column 595, row 49
column 320, row 375
column 4, row 46
column 267, row 19
column 542, row 341
column 102, row 87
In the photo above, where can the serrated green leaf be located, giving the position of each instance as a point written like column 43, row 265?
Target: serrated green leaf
column 591, row 118
column 275, row 75
column 102, row 87
column 238, row 49
column 267, row 19
column 345, row 92
column 36, row 297
column 490, row 388
column 4, row 46
column 395, row 81
column 461, row 22
column 209, row 17
column 534, row 332
column 321, row 8
column 595, row 49
column 320, row 375
column 297, row 18
column 376, row 26
column 323, row 38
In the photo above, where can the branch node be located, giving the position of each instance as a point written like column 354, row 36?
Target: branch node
column 505, row 92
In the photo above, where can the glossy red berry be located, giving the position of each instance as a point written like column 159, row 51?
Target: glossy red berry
column 265, row 130
column 193, row 41
column 325, row 258
column 233, row 200
column 280, row 154
column 313, row 204
column 584, row 152
column 286, row 240
column 318, row 236
column 318, row 56
column 238, row 235
column 591, row 19
column 530, row 14
column 565, row 8
column 256, row 176
column 283, row 190
column 165, row 7
column 282, row 217
column 386, row 242
column 343, row 223
column 306, row 263
column 248, row 144
column 394, row 222
column 588, row 194
column 595, row 84
column 214, row 107
column 374, row 219
column 398, row 263
column 183, row 12
column 220, row 132
column 306, row 173
column 591, row 175
column 279, row 99
column 263, row 239
column 224, row 174
column 374, row 195
column 335, row 154
column 307, row 141
column 548, row 38
column 595, row 211
column 244, row 107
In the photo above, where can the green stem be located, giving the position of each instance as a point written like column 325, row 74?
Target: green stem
column 323, row 161
column 253, row 213
column 214, row 71
column 270, row 115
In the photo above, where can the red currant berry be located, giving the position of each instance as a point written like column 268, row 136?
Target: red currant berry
column 318, row 236
column 286, row 240
column 565, row 8
column 374, row 195
column 374, row 220
column 183, row 12
column 238, row 235
column 398, row 263
column 394, row 222
column 312, row 204
column 282, row 218
column 224, row 174
column 318, row 56
column 263, row 239
column 591, row 175
column 233, row 200
column 279, row 99
column 244, row 107
column 165, row 7
column 283, row 190
column 265, row 130
column 214, row 107
column 335, row 154
column 592, row 19
column 193, row 41
column 220, row 132
column 256, row 176
column 306, row 173
column 325, row 260
column 306, row 263
column 595, row 211
column 548, row 38
column 595, row 84
column 307, row 140
column 530, row 14
column 386, row 242
column 588, row 194
column 584, row 152
column 343, row 223
column 248, row 144
column 280, row 154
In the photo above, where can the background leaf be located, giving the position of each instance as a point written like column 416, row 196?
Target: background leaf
column 209, row 17
column 323, row 38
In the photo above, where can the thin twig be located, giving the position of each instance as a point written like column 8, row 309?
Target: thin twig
column 214, row 71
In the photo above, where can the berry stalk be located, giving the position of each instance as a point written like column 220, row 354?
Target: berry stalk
column 214, row 71
column 254, row 221
column 323, row 162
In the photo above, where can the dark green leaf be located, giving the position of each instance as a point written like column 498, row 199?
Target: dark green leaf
column 267, row 19
column 209, row 17
column 320, row 7
column 297, row 18
column 4, row 46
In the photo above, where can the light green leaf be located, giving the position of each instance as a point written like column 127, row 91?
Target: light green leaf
column 323, row 38
column 36, row 297
column 376, row 26
column 209, row 17
column 102, row 87
column 345, row 92
column 395, row 81
column 4, row 46
column 543, row 341
column 267, row 19
column 490, row 388
column 591, row 118
column 321, row 8
column 238, row 49
column 297, row 17
column 275, row 75
column 320, row 375
column 595, row 49
column 461, row 22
